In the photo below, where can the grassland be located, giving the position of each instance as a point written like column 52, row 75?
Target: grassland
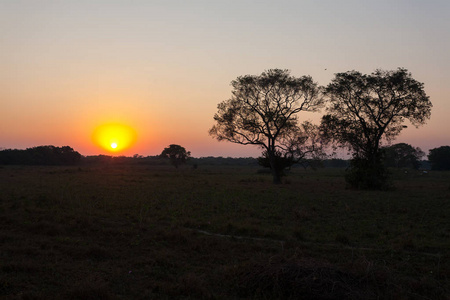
column 145, row 232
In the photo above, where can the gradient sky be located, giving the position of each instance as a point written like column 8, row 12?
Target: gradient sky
column 163, row 66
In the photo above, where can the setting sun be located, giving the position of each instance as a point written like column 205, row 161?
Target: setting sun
column 114, row 137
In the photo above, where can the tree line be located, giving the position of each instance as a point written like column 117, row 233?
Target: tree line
column 395, row 156
column 41, row 155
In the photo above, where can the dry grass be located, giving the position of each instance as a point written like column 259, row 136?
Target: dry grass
column 121, row 232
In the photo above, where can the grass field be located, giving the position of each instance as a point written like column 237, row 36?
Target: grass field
column 154, row 232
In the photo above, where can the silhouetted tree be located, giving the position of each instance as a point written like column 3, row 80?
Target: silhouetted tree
column 229, row 161
column 336, row 163
column 67, row 155
column 364, row 110
column 263, row 111
column 177, row 154
column 440, row 158
column 402, row 155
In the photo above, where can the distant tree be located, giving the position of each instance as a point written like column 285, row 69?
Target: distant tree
column 336, row 163
column 366, row 109
column 440, row 158
column 263, row 111
column 210, row 160
column 67, row 155
column 177, row 154
column 402, row 155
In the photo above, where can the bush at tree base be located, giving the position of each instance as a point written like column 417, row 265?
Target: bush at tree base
column 364, row 174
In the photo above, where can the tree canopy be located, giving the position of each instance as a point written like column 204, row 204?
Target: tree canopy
column 263, row 111
column 177, row 154
column 365, row 109
column 440, row 158
column 402, row 155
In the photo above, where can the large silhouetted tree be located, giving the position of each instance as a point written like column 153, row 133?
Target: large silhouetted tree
column 263, row 111
column 177, row 154
column 364, row 110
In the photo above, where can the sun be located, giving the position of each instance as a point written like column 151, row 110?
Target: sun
column 114, row 137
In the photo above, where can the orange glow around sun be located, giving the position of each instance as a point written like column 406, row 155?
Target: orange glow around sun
column 114, row 137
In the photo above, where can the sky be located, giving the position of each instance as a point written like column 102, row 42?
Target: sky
column 161, row 67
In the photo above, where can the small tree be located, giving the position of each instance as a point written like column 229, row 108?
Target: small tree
column 366, row 109
column 402, row 155
column 440, row 158
column 263, row 111
column 177, row 154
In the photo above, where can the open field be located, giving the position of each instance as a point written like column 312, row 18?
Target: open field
column 143, row 232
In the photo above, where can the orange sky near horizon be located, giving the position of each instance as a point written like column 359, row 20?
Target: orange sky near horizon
column 67, row 67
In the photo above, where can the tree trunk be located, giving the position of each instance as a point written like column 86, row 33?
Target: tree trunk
column 276, row 173
column 276, row 177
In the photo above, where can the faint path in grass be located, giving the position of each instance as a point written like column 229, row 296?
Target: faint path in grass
column 240, row 237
